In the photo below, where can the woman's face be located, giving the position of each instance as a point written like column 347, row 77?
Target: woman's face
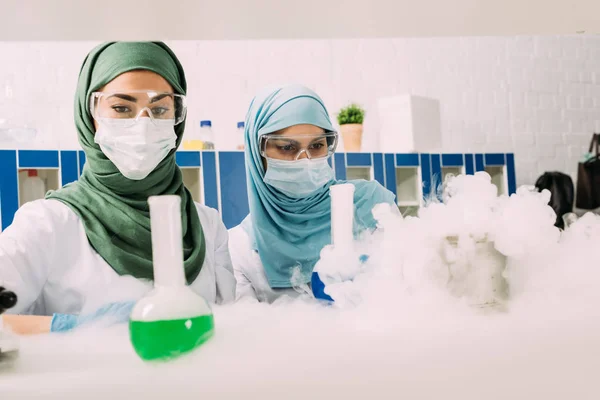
column 292, row 140
column 132, row 81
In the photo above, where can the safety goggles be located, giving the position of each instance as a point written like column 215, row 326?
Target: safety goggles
column 279, row 147
column 132, row 105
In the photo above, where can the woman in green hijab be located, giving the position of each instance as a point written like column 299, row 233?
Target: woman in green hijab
column 130, row 111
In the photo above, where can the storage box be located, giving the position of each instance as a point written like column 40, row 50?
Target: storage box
column 409, row 124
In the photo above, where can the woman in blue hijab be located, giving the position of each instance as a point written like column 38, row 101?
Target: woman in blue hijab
column 289, row 140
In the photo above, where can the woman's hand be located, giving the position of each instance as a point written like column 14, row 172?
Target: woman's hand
column 113, row 313
column 27, row 324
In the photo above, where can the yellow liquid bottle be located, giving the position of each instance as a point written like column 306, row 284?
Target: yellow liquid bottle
column 196, row 145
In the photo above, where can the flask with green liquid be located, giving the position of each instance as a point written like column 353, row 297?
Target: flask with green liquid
column 171, row 320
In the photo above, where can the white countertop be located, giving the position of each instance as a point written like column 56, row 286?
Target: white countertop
column 299, row 351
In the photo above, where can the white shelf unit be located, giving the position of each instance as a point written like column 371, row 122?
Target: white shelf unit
column 499, row 178
column 409, row 193
column 365, row 173
column 409, row 211
column 455, row 171
column 192, row 179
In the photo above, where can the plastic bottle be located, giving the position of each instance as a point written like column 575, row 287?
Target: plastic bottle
column 171, row 320
column 34, row 187
column 240, row 135
column 202, row 139
column 207, row 136
column 191, row 140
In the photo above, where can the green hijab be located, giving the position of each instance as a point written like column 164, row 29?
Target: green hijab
column 114, row 210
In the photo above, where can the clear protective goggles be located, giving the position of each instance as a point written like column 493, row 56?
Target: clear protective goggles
column 291, row 148
column 132, row 105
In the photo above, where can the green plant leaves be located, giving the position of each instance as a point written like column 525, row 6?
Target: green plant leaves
column 353, row 114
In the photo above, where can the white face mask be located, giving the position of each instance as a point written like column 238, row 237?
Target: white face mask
column 136, row 150
column 300, row 178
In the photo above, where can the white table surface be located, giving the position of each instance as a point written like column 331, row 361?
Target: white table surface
column 297, row 351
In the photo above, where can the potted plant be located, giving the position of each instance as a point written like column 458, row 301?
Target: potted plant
column 351, row 120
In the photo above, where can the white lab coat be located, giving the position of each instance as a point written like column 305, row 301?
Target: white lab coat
column 249, row 272
column 46, row 259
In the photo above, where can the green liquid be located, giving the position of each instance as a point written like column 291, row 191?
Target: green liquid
column 169, row 338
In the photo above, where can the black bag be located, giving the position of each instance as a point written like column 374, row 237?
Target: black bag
column 588, row 178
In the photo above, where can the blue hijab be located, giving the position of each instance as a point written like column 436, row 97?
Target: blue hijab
column 289, row 233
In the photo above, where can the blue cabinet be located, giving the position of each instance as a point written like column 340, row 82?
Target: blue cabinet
column 221, row 176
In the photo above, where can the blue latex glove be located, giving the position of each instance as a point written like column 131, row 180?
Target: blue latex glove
column 116, row 312
column 318, row 287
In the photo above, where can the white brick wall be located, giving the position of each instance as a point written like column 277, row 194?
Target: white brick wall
column 536, row 96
